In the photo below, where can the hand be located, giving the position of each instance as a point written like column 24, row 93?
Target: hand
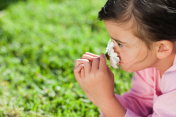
column 87, row 57
column 95, row 78
column 90, row 56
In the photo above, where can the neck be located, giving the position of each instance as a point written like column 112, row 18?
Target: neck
column 164, row 64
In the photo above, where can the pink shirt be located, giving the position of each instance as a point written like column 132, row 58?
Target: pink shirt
column 151, row 95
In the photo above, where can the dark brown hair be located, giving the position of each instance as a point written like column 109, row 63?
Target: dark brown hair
column 153, row 20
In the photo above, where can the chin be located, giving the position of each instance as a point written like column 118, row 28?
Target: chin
column 130, row 70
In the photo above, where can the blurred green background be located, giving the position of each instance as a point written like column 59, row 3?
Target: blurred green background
column 39, row 43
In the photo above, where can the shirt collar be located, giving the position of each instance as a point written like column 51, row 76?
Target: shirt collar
column 175, row 60
column 173, row 67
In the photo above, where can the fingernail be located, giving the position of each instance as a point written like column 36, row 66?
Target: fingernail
column 82, row 65
column 102, row 55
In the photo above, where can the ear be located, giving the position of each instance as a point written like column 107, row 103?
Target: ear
column 165, row 48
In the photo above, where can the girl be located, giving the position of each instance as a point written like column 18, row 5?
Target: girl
column 144, row 35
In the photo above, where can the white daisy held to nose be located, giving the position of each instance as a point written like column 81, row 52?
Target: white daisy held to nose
column 111, row 55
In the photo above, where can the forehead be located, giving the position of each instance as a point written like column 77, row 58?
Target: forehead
column 118, row 28
column 121, row 31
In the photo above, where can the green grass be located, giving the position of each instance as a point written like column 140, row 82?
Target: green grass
column 39, row 43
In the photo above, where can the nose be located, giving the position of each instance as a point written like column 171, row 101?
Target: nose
column 116, row 50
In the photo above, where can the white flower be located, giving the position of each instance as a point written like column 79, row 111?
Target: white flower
column 111, row 55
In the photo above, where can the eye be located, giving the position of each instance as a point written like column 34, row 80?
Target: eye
column 117, row 42
column 120, row 45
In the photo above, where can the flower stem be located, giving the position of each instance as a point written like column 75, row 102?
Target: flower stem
column 107, row 56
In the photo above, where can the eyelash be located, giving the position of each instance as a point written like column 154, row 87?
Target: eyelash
column 120, row 45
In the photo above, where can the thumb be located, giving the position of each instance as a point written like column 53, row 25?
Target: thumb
column 103, row 65
column 77, row 72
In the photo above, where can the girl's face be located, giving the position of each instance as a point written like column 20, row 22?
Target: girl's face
column 133, row 52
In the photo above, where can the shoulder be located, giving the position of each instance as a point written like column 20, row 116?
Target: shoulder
column 168, row 82
column 147, row 75
column 148, row 72
column 144, row 79
column 165, row 104
column 168, row 97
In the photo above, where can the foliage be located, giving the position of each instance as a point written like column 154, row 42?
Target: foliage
column 6, row 3
column 39, row 42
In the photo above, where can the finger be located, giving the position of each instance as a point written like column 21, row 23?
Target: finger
column 95, row 65
column 89, row 57
column 87, row 67
column 102, row 65
column 82, row 73
column 91, row 54
column 110, row 72
column 77, row 71
column 80, row 61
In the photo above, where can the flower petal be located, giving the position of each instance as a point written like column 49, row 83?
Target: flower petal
column 114, row 59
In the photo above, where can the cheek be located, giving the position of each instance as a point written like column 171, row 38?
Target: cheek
column 128, row 56
column 122, row 54
column 132, row 56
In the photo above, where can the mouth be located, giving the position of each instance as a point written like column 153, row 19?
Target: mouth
column 120, row 62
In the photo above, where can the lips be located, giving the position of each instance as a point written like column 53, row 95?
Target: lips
column 120, row 62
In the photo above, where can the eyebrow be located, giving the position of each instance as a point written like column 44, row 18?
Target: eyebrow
column 118, row 41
